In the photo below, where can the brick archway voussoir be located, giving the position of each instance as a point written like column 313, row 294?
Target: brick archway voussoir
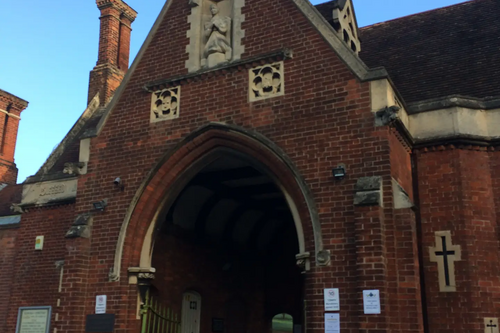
column 194, row 149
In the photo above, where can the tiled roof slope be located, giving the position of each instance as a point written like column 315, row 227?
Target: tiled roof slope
column 448, row 51
column 9, row 195
column 326, row 9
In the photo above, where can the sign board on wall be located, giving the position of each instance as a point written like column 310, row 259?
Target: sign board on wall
column 35, row 319
column 100, row 304
column 332, row 323
column 332, row 300
column 371, row 301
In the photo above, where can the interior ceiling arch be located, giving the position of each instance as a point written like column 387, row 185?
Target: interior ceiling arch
column 231, row 202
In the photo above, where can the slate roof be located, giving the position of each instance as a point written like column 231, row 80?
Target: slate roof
column 8, row 195
column 327, row 8
column 448, row 51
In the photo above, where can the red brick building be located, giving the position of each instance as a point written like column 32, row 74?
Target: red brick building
column 255, row 154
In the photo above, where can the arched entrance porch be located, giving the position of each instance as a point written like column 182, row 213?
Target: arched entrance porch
column 230, row 194
column 225, row 252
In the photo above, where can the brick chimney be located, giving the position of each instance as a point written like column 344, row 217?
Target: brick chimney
column 114, row 48
column 10, row 114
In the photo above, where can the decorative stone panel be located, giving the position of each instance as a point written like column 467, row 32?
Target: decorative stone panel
column 345, row 23
column 266, row 81
column 49, row 192
column 165, row 104
column 227, row 21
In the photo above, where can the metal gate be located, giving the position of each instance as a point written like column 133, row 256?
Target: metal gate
column 157, row 318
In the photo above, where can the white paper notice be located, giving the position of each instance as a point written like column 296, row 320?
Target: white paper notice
column 332, row 323
column 100, row 304
column 332, row 302
column 371, row 301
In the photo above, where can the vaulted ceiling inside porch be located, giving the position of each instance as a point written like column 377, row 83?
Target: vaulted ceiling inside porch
column 233, row 204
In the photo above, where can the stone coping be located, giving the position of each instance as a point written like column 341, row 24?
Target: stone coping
column 454, row 100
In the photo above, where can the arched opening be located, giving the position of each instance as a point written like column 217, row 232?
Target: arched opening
column 282, row 323
column 229, row 232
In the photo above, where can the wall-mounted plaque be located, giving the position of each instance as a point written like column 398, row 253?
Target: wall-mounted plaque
column 35, row 319
column 101, row 323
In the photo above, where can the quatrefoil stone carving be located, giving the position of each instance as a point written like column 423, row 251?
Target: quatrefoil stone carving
column 266, row 81
column 165, row 104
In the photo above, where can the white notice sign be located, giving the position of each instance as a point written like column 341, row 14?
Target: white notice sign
column 332, row 302
column 332, row 323
column 100, row 304
column 371, row 301
column 33, row 320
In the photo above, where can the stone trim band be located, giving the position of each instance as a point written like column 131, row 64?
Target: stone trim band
column 10, row 114
column 282, row 54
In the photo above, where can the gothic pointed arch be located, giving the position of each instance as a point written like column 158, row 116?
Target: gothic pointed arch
column 165, row 181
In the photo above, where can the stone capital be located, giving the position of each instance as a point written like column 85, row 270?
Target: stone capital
column 138, row 274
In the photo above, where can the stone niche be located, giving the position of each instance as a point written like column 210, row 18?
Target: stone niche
column 215, row 33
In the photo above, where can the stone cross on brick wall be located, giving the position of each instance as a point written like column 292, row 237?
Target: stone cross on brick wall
column 445, row 254
column 490, row 325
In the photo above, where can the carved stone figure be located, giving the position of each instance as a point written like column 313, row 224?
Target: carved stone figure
column 218, row 47
column 73, row 168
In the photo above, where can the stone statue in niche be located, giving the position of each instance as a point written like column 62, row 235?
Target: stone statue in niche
column 217, row 32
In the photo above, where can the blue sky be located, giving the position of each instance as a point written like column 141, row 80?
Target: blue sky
column 49, row 47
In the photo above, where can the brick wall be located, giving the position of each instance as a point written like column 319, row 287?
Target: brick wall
column 7, row 255
column 323, row 119
column 457, row 194
column 35, row 277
